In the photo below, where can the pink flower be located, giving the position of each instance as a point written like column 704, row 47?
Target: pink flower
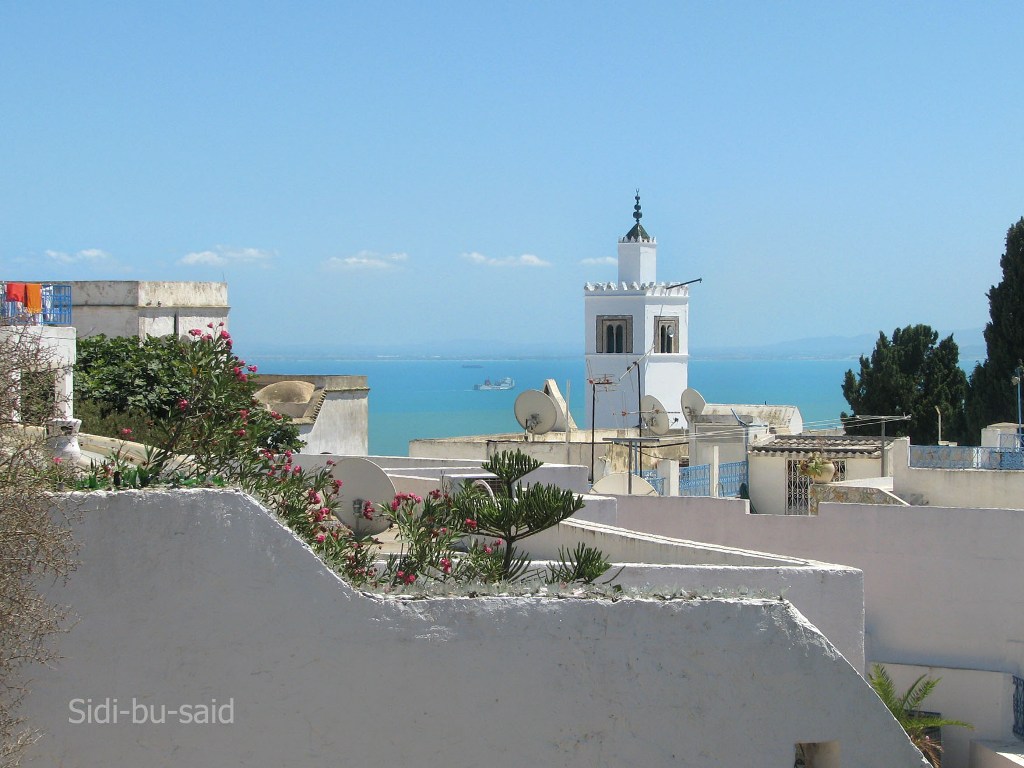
column 446, row 565
column 243, row 377
column 320, row 537
column 251, row 368
column 225, row 335
column 240, row 432
column 337, row 485
column 209, row 325
column 195, row 332
column 368, row 510
column 58, row 460
column 244, row 413
column 471, row 523
column 182, row 404
column 488, row 550
column 313, row 496
column 331, row 462
column 275, row 415
column 126, row 431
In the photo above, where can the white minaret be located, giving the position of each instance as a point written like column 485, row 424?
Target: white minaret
column 635, row 324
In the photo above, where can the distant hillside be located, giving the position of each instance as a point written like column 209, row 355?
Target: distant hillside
column 970, row 341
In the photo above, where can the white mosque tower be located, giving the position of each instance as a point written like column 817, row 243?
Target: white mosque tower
column 636, row 322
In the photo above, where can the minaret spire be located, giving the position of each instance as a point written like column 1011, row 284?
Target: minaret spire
column 637, row 233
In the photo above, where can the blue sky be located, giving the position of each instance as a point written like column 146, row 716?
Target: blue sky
column 390, row 173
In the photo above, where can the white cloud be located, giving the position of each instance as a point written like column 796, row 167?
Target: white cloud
column 525, row 260
column 86, row 255
column 600, row 260
column 366, row 260
column 222, row 256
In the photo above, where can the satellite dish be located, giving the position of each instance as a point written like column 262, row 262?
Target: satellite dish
column 653, row 415
column 536, row 412
column 618, row 484
column 692, row 402
column 362, row 481
column 484, row 487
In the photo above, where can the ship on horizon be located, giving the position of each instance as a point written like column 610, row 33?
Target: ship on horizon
column 506, row 383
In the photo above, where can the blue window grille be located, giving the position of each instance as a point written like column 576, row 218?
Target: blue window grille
column 1018, row 707
column 965, row 457
column 695, row 481
column 55, row 308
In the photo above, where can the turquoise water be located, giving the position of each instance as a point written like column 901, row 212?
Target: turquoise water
column 435, row 398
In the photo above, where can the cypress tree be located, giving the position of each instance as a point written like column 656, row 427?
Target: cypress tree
column 993, row 398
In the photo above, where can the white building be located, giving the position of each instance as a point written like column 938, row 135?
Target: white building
column 143, row 308
column 635, row 323
column 331, row 412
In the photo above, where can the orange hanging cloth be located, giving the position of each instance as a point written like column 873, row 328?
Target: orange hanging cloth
column 33, row 298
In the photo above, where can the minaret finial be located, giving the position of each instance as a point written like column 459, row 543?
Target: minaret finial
column 636, row 208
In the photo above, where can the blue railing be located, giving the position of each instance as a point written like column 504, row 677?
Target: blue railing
column 964, row 457
column 35, row 303
column 695, row 481
column 731, row 477
column 1010, row 441
column 657, row 481
column 1018, row 707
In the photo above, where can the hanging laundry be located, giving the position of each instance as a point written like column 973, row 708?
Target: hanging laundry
column 33, row 298
column 16, row 292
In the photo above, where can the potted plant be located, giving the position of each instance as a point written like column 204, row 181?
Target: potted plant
column 818, row 469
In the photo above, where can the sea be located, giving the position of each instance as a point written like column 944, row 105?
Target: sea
column 428, row 398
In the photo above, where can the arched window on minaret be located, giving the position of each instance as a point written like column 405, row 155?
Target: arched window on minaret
column 667, row 333
column 615, row 334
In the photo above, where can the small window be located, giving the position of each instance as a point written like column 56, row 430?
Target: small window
column 820, row 754
column 666, row 335
column 614, row 334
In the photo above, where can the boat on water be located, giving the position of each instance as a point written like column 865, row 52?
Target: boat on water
column 506, row 383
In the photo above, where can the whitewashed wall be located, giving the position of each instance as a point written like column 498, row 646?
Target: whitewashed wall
column 830, row 596
column 980, row 488
column 189, row 596
column 146, row 308
column 942, row 586
column 342, row 426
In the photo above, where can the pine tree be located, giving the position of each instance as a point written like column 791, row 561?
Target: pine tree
column 912, row 374
column 992, row 397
